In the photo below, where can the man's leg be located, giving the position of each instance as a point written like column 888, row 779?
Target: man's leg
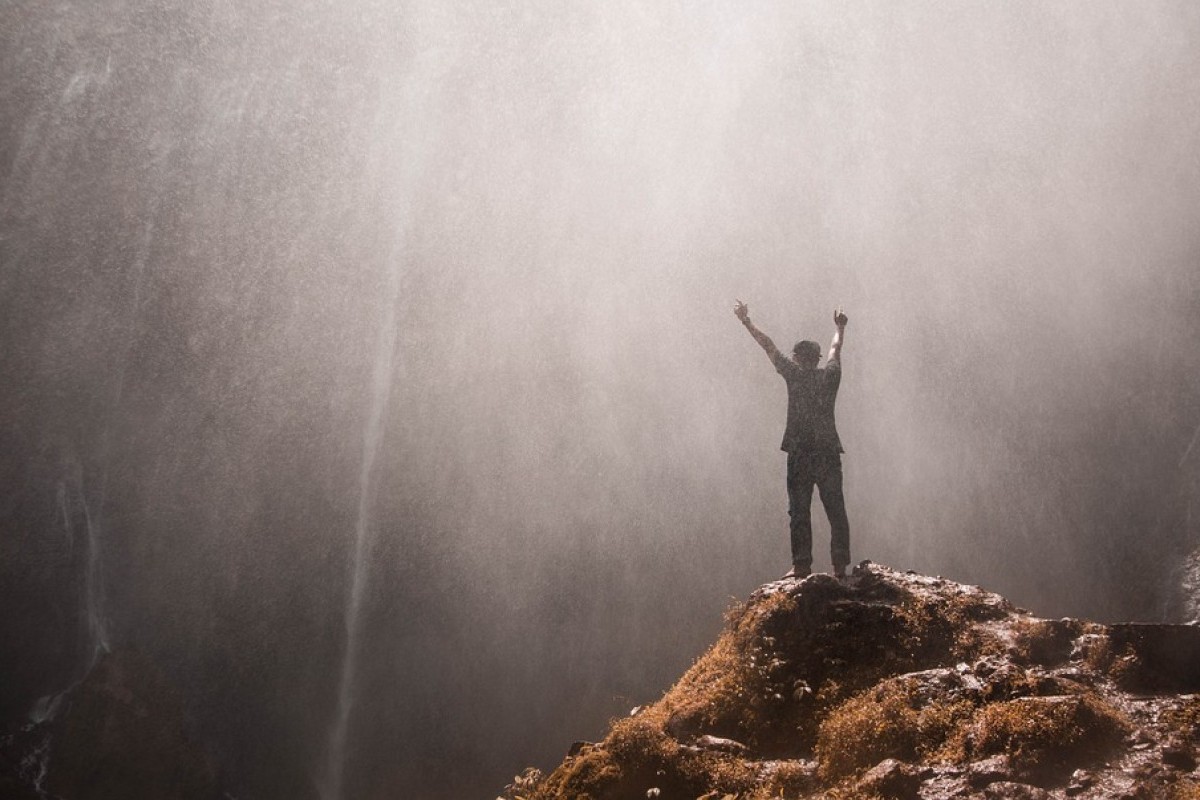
column 800, row 488
column 829, row 483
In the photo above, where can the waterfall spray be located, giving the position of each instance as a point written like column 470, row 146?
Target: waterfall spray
column 64, row 510
column 97, row 625
column 381, row 381
column 34, row 765
column 93, row 582
column 394, row 182
column 72, row 499
column 72, row 502
column 93, row 579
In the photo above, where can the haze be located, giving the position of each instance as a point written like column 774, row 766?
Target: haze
column 439, row 296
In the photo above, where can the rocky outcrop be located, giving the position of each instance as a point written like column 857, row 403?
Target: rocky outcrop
column 120, row 733
column 898, row 685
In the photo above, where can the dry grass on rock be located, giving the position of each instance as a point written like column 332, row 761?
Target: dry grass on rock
column 841, row 689
column 1043, row 736
column 888, row 721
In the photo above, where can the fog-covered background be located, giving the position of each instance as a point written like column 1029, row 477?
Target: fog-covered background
column 450, row 286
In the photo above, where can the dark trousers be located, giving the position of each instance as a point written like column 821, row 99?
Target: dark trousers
column 823, row 470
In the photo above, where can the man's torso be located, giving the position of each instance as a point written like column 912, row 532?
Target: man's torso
column 812, row 393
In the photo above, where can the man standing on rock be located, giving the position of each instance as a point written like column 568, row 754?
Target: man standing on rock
column 811, row 441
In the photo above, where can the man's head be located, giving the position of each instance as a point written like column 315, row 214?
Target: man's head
column 807, row 354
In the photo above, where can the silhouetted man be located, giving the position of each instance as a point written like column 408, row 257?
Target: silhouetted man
column 811, row 441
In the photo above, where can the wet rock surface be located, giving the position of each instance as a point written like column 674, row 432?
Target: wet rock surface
column 891, row 779
column 899, row 685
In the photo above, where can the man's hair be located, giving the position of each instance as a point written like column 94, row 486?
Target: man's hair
column 807, row 350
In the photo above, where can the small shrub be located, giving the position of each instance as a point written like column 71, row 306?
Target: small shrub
column 1185, row 789
column 1042, row 734
column 1184, row 718
column 639, row 739
column 587, row 776
column 885, row 722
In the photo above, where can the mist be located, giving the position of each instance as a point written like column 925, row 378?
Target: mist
column 431, row 306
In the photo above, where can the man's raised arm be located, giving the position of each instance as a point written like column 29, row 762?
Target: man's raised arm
column 742, row 312
column 835, row 349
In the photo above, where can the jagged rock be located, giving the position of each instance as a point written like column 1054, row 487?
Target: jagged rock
column 989, row 770
column 719, row 745
column 890, row 779
column 578, row 747
column 891, row 684
column 1010, row 790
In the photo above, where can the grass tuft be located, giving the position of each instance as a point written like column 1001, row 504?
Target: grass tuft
column 1041, row 735
column 888, row 721
column 1185, row 717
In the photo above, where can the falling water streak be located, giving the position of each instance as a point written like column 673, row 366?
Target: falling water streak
column 65, row 511
column 35, row 766
column 93, row 589
column 139, row 272
column 97, row 626
column 97, row 623
column 1195, row 436
column 71, row 494
column 1189, row 586
column 97, row 641
column 393, row 181
column 98, row 633
column 381, row 382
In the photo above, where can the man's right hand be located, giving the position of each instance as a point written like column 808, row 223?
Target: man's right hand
column 839, row 318
column 741, row 311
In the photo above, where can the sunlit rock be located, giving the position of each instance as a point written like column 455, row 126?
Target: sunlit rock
column 910, row 687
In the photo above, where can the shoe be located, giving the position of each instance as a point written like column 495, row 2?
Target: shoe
column 798, row 572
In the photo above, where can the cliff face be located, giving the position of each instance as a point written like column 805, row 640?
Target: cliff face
column 898, row 685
